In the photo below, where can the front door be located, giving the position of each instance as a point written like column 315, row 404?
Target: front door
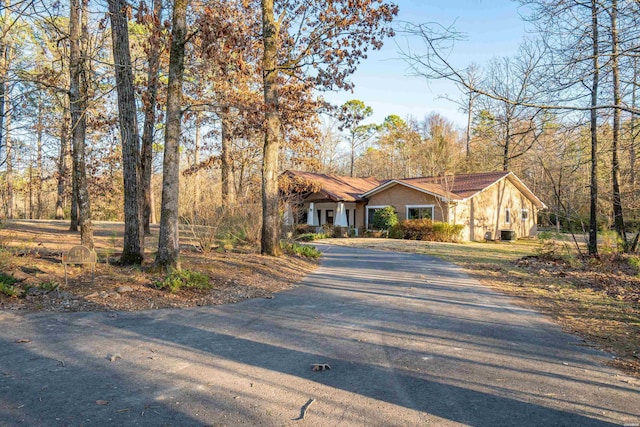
column 329, row 216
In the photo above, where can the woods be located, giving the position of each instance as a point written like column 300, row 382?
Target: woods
column 186, row 114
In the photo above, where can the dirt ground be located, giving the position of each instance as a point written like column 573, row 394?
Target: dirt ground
column 31, row 251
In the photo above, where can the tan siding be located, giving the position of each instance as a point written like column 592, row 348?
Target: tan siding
column 461, row 215
column 360, row 213
column 400, row 196
column 488, row 210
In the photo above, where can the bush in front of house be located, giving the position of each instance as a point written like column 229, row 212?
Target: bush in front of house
column 426, row 229
column 445, row 232
column 385, row 218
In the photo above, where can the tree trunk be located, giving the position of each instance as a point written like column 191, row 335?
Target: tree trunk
column 62, row 168
column 133, row 248
column 4, row 105
column 469, row 118
column 78, row 92
column 8, row 144
column 506, row 152
column 196, row 160
column 73, row 217
column 632, row 146
column 168, row 241
column 353, row 155
column 618, row 218
column 593, row 205
column 149, row 106
column 40, row 130
column 226, row 159
column 270, row 224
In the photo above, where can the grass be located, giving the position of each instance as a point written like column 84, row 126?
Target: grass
column 598, row 299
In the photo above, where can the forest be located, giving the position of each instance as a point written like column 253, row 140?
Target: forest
column 185, row 112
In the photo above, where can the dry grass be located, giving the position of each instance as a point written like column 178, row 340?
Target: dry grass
column 597, row 299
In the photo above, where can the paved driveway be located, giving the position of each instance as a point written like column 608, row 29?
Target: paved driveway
column 411, row 340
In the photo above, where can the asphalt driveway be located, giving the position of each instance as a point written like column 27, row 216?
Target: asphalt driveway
column 411, row 340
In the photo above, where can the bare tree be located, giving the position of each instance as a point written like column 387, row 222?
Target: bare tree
column 149, row 107
column 78, row 92
column 169, row 239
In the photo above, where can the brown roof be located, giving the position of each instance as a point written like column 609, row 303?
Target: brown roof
column 339, row 188
column 455, row 187
column 458, row 186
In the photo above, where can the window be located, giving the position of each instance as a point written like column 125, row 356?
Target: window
column 420, row 212
column 525, row 214
column 507, row 216
column 329, row 216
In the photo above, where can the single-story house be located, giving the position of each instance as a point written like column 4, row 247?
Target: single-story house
column 487, row 204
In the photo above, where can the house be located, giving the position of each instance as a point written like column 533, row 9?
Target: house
column 490, row 205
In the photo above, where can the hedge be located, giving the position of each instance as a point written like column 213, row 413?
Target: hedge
column 426, row 229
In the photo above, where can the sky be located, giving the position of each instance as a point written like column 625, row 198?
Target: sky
column 493, row 28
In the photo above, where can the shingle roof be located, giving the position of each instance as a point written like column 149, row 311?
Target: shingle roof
column 454, row 187
column 339, row 188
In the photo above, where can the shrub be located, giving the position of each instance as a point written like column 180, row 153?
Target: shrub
column 385, row 218
column 396, row 232
column 426, row 229
column 417, row 229
column 296, row 249
column 49, row 286
column 445, row 232
column 178, row 279
column 6, row 285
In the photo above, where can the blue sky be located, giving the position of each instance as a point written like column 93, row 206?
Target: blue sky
column 493, row 28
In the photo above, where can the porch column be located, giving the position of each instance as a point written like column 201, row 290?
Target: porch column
column 311, row 215
column 288, row 214
column 341, row 216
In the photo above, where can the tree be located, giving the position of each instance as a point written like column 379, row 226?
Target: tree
column 149, row 103
column 350, row 116
column 78, row 93
column 133, row 248
column 572, row 35
column 319, row 43
column 169, row 239
column 272, row 136
column 440, row 151
column 618, row 218
column 385, row 218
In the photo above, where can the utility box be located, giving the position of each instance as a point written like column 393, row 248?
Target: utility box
column 507, row 235
column 488, row 236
